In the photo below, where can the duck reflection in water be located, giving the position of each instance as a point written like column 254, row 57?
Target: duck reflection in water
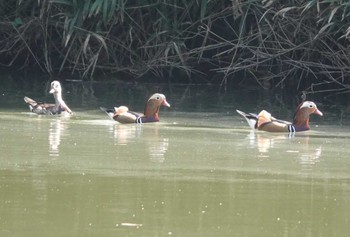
column 307, row 153
column 57, row 128
column 148, row 137
column 124, row 134
column 157, row 146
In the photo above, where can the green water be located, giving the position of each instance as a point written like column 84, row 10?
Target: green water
column 192, row 174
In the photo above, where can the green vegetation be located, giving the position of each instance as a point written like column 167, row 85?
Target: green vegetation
column 278, row 43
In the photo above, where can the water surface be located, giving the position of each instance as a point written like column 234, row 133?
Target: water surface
column 196, row 173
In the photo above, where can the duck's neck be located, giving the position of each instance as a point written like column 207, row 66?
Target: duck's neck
column 151, row 110
column 301, row 121
column 58, row 99
column 152, row 113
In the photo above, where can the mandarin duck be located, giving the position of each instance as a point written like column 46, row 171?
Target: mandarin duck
column 123, row 115
column 46, row 108
column 265, row 122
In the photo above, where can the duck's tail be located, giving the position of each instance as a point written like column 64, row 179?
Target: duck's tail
column 109, row 112
column 251, row 118
column 30, row 101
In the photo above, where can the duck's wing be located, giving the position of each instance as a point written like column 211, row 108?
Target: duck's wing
column 281, row 121
column 270, row 124
column 39, row 107
column 122, row 114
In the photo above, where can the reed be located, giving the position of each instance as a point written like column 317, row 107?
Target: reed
column 278, row 43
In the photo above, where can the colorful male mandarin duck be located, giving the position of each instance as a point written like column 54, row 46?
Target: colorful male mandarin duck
column 49, row 109
column 123, row 115
column 265, row 122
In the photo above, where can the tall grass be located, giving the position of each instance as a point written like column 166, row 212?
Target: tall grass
column 302, row 42
column 279, row 43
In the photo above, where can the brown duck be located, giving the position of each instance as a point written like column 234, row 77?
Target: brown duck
column 265, row 122
column 122, row 114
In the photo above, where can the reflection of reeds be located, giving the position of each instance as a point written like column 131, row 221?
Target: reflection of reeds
column 266, row 40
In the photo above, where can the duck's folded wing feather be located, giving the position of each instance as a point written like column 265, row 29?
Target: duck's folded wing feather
column 281, row 121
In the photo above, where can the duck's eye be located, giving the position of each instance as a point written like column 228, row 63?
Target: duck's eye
column 311, row 106
column 157, row 98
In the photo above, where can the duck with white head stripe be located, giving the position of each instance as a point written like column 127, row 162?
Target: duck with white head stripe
column 265, row 122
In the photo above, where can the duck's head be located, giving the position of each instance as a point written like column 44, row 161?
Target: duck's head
column 303, row 112
column 153, row 104
column 309, row 107
column 55, row 87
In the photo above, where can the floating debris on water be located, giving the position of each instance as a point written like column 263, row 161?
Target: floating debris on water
column 136, row 225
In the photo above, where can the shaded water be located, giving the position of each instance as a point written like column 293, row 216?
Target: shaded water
column 200, row 173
